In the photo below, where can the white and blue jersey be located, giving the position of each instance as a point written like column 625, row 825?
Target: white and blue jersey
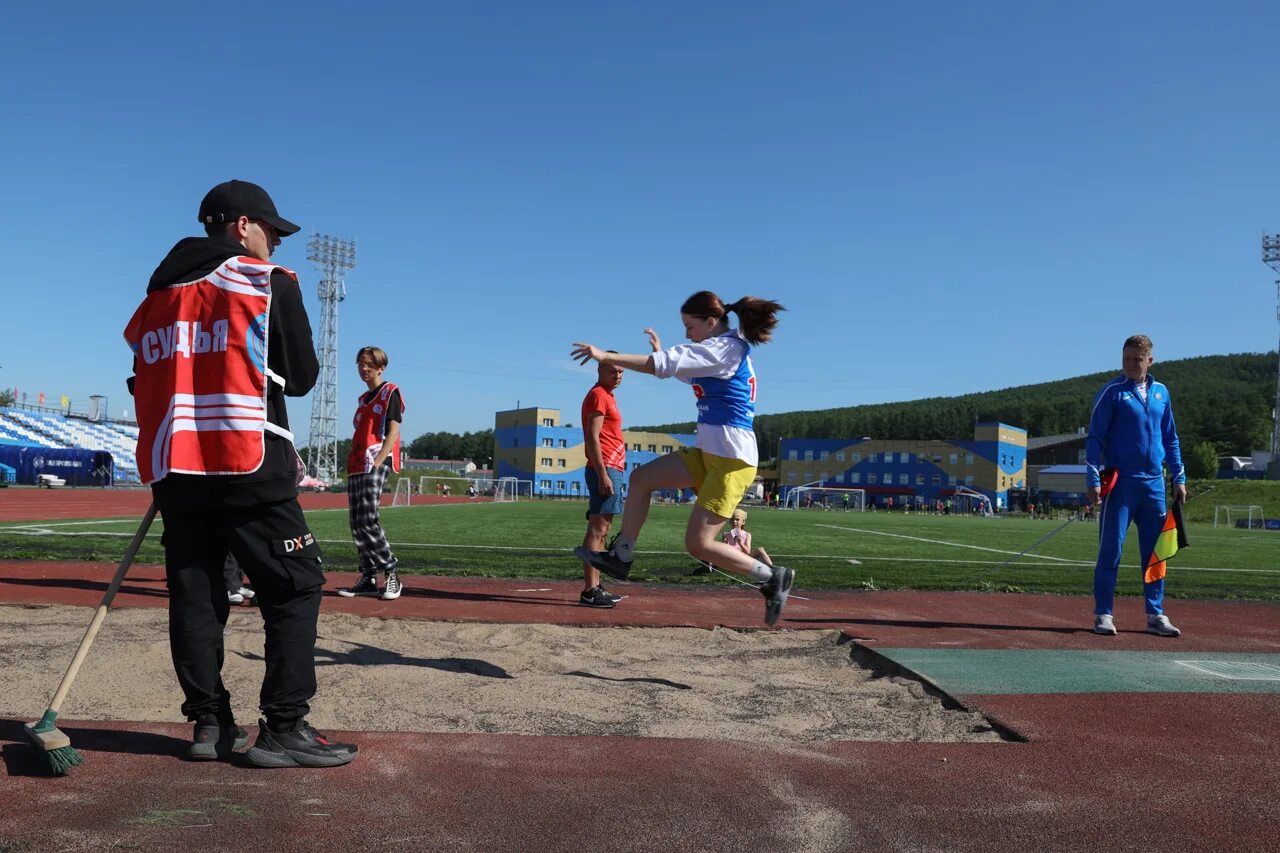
column 724, row 381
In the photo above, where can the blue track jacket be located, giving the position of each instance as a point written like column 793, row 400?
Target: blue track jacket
column 1134, row 437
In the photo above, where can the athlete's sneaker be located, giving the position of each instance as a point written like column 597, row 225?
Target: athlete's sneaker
column 244, row 595
column 595, row 597
column 612, row 596
column 212, row 740
column 367, row 585
column 301, row 746
column 775, row 591
column 1103, row 624
column 394, row 587
column 1161, row 626
column 606, row 561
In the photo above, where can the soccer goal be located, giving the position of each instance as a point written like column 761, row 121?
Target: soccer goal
column 403, row 495
column 510, row 489
column 826, row 497
column 1238, row 516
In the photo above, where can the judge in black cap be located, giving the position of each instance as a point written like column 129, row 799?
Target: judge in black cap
column 255, row 516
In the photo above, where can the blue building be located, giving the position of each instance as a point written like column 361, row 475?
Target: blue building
column 531, row 444
column 994, row 462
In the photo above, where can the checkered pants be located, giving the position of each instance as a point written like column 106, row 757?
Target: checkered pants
column 363, row 493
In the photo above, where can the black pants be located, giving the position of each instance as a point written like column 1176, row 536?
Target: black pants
column 276, row 550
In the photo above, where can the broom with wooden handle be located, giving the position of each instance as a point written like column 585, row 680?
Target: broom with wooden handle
column 48, row 740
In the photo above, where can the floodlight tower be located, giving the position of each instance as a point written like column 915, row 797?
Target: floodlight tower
column 1271, row 257
column 332, row 257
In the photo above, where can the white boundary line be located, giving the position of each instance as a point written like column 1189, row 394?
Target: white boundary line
column 941, row 542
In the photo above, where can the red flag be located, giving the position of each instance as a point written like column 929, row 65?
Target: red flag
column 1109, row 476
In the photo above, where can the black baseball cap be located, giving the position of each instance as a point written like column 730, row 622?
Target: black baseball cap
column 229, row 201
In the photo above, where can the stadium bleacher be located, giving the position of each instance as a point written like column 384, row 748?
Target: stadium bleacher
column 46, row 429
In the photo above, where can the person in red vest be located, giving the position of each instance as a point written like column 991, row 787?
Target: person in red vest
column 375, row 453
column 219, row 342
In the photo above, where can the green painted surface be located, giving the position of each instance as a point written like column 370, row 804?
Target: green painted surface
column 1023, row 671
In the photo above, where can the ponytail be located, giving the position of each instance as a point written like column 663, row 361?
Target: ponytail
column 756, row 318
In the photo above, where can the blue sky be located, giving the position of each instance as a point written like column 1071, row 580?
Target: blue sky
column 947, row 197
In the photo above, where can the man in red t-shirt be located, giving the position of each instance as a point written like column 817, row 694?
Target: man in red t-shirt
column 606, row 464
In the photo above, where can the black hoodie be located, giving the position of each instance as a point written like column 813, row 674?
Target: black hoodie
column 290, row 354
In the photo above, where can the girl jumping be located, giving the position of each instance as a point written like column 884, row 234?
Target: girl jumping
column 722, row 463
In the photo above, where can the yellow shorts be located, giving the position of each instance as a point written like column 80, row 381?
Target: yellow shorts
column 720, row 481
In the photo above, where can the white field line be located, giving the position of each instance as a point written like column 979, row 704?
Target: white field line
column 44, row 530
column 941, row 542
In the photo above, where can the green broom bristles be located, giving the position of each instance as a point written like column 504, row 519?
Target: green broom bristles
column 61, row 759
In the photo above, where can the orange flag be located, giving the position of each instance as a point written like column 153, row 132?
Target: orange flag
column 1173, row 535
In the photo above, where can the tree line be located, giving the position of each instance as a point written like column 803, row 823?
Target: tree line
column 1221, row 401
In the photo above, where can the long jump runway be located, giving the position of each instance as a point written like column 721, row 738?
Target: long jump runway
column 1120, row 743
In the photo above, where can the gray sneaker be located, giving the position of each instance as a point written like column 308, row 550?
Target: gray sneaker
column 775, row 591
column 213, row 741
column 1102, row 624
column 1161, row 626
column 394, row 587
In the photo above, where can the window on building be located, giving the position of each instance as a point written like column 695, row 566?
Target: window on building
column 952, row 480
column 871, row 457
column 653, row 448
column 855, row 477
column 667, row 448
column 888, row 457
column 545, row 462
column 855, row 457
column 839, row 455
column 808, row 456
column 937, row 459
column 823, row 456
column 564, row 442
column 906, row 457
column 955, row 457
column 903, row 479
column 793, row 454
column 548, row 422
column 575, row 486
column 968, row 459
column 560, row 463
column 919, row 479
column 635, row 465
column 968, row 481
column 546, row 442
column 635, row 446
column 560, row 484
column 791, row 476
column 937, row 479
column 545, row 485
column 871, row 478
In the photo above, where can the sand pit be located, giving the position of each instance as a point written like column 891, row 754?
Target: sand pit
column 531, row 679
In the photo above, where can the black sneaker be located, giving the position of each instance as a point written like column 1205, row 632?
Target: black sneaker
column 606, row 561
column 775, row 591
column 212, row 740
column 301, row 746
column 367, row 585
column 394, row 587
column 595, row 597
column 612, row 596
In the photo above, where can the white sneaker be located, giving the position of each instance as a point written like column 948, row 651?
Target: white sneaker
column 394, row 586
column 1161, row 626
column 1103, row 624
column 235, row 597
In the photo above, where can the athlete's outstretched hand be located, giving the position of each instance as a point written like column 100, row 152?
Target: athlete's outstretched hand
column 654, row 340
column 582, row 353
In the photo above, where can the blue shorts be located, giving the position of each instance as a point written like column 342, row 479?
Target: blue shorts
column 598, row 503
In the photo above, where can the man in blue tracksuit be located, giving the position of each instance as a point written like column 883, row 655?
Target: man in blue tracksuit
column 1132, row 435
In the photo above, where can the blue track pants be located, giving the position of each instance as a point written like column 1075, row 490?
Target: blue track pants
column 1142, row 502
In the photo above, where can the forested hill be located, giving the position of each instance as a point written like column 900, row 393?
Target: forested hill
column 1223, row 399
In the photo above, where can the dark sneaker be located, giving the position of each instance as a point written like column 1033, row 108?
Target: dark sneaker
column 775, row 592
column 595, row 597
column 367, row 585
column 212, row 740
column 394, row 587
column 606, row 561
column 301, row 746
column 612, row 596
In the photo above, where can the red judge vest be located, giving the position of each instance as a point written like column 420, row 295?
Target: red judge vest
column 201, row 387
column 371, row 429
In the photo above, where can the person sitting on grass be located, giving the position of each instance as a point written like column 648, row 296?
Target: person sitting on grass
column 739, row 537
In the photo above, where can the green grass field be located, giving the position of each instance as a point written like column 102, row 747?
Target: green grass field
column 534, row 539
